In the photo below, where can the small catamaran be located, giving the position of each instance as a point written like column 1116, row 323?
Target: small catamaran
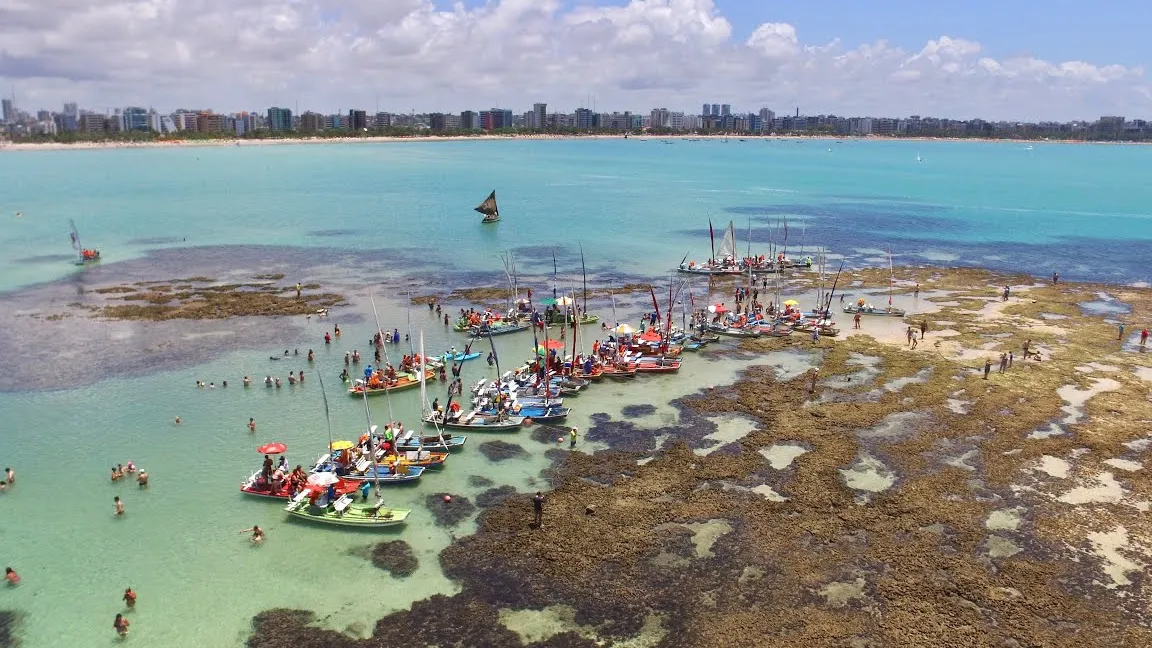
column 86, row 255
column 489, row 209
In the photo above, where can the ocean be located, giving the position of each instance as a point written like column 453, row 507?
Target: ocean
column 382, row 221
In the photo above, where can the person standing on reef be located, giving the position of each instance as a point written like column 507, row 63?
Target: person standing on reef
column 572, row 439
column 856, row 321
column 1055, row 278
column 987, row 368
column 812, row 377
column 1003, row 362
column 298, row 289
column 538, row 509
column 1120, row 335
column 923, row 328
column 1144, row 336
column 1007, row 290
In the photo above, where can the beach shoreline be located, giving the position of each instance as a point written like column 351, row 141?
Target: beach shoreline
column 7, row 146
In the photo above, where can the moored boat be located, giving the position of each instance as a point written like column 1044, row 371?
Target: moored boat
column 475, row 421
column 435, row 442
column 345, row 511
column 380, row 384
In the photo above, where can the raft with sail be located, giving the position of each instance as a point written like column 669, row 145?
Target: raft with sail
column 489, row 209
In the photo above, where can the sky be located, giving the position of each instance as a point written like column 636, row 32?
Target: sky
column 996, row 60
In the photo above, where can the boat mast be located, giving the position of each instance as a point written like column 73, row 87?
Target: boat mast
column 584, row 272
column 712, row 239
column 327, row 414
column 554, row 273
column 424, row 401
column 76, row 240
column 891, row 278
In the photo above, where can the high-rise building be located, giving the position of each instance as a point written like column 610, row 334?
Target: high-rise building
column 91, row 123
column 9, row 113
column 725, row 110
column 383, row 120
column 134, row 118
column 357, row 119
column 279, row 119
column 539, row 115
column 584, row 119
column 311, row 122
column 209, row 122
column 469, row 120
column 706, row 110
column 716, row 110
column 436, row 121
column 659, row 118
column 495, row 118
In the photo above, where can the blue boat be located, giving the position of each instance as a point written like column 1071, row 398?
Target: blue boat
column 439, row 443
column 366, row 472
column 545, row 414
column 460, row 357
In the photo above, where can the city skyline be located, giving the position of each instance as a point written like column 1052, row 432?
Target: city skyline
column 432, row 57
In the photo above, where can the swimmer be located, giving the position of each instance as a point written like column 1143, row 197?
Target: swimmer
column 178, row 420
column 247, row 381
column 11, row 576
column 130, row 467
column 251, row 425
column 10, row 475
column 301, row 378
column 129, row 598
column 277, row 383
column 119, row 505
column 120, row 625
column 142, row 479
column 257, row 534
column 311, row 356
column 115, row 474
column 224, row 383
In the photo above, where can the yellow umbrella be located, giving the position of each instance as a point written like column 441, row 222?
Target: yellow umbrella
column 624, row 329
column 791, row 302
column 565, row 301
column 343, row 445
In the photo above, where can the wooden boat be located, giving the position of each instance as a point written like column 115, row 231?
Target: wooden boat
column 617, row 372
column 410, row 459
column 363, row 471
column 502, row 327
column 556, row 317
column 723, row 262
column 732, row 331
column 489, row 209
column 547, row 414
column 657, row 365
column 704, row 339
column 345, row 511
column 460, row 357
column 256, row 487
column 403, row 381
column 475, row 421
column 435, row 442
column 869, row 309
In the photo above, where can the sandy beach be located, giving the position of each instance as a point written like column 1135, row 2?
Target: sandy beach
column 6, row 146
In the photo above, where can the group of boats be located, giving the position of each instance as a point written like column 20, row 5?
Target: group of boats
column 726, row 261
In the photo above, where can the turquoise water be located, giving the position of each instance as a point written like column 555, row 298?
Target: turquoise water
column 380, row 219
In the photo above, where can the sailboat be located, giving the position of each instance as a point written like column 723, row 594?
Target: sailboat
column 86, row 255
column 489, row 209
column 723, row 261
column 864, row 308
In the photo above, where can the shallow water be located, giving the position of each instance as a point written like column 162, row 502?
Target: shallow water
column 386, row 219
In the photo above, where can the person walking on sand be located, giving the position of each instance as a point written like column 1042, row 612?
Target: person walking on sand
column 120, row 625
column 119, row 505
column 1011, row 357
column 909, row 334
column 987, row 368
column 129, row 598
column 538, row 509
column 1007, row 290
column 1003, row 362
column 856, row 321
column 923, row 328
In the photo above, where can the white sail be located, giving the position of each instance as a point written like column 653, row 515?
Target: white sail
column 727, row 249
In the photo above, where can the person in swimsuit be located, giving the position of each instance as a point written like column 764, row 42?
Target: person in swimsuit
column 119, row 505
column 11, row 576
column 257, row 534
column 120, row 625
column 142, row 479
column 129, row 598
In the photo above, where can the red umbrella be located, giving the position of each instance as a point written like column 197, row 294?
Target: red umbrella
column 718, row 308
column 272, row 448
column 553, row 344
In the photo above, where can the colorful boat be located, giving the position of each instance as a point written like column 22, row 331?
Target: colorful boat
column 377, row 384
column 363, row 471
column 86, row 255
column 435, row 442
column 869, row 309
column 345, row 511
column 257, row 487
column 475, row 421
column 460, row 357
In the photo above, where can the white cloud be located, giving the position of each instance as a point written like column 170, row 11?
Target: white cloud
column 327, row 54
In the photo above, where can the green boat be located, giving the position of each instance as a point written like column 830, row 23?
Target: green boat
column 556, row 317
column 346, row 511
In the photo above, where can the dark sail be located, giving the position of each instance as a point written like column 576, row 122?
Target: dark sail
column 488, row 207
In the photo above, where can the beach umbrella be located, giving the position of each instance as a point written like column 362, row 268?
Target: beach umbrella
column 624, row 329
column 717, row 308
column 565, row 301
column 323, row 478
column 272, row 448
column 791, row 302
column 652, row 335
column 343, row 445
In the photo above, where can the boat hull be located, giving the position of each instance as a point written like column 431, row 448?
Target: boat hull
column 510, row 424
column 883, row 312
column 357, row 514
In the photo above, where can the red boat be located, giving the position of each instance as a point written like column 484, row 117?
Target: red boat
column 616, row 371
column 657, row 365
column 257, row 487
